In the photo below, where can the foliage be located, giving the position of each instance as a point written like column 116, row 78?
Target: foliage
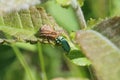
column 97, row 45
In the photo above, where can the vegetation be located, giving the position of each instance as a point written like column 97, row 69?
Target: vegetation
column 80, row 40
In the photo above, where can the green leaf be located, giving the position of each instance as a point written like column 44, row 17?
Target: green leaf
column 77, row 57
column 21, row 26
column 81, row 61
column 114, row 7
column 92, row 22
column 65, row 17
column 81, row 2
column 63, row 2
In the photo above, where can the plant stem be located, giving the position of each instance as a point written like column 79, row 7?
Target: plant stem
column 22, row 61
column 79, row 13
column 44, row 77
column 91, row 73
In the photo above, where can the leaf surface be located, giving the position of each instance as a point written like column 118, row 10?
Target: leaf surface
column 102, row 48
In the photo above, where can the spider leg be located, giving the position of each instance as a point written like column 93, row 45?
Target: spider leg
column 48, row 39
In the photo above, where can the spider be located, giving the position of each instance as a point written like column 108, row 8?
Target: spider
column 49, row 33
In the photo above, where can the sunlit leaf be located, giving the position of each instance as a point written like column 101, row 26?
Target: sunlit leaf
column 92, row 22
column 81, row 61
column 63, row 2
column 81, row 2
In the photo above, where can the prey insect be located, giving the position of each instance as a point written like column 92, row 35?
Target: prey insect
column 61, row 40
column 47, row 32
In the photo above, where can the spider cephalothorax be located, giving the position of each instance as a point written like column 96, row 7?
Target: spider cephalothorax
column 48, row 32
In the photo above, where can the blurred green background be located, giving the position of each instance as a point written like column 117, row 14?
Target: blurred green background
column 55, row 62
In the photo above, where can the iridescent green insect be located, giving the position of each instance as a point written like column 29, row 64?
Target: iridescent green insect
column 63, row 42
column 47, row 32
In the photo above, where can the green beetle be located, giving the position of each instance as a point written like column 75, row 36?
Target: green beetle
column 62, row 41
